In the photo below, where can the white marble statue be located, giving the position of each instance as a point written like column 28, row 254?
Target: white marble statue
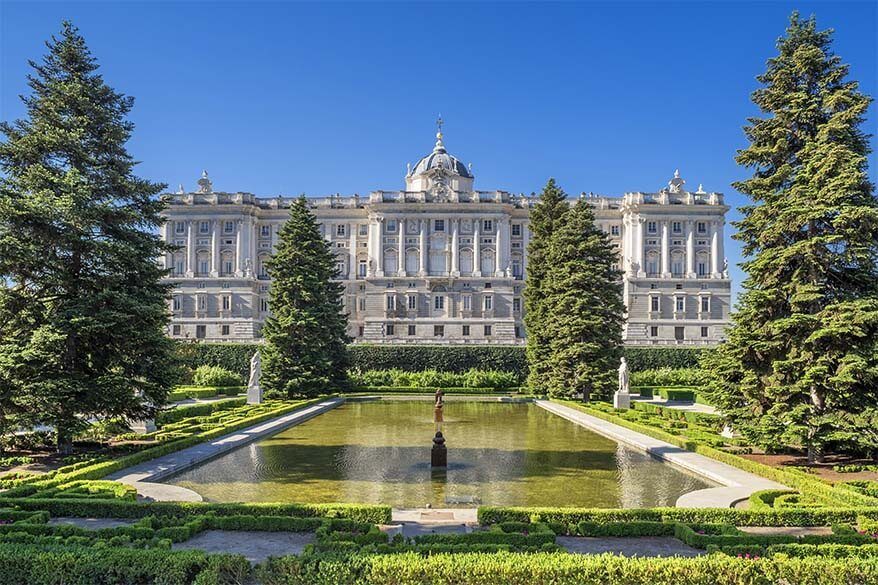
column 254, row 390
column 622, row 399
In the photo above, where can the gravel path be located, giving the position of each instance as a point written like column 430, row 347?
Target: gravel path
column 653, row 546
column 255, row 546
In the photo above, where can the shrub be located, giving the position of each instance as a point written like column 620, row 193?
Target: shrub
column 653, row 358
column 215, row 376
column 668, row 377
column 443, row 358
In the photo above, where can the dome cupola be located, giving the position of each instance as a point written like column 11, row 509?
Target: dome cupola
column 436, row 164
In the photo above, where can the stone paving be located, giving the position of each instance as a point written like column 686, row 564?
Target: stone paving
column 255, row 546
column 737, row 484
column 647, row 546
column 92, row 523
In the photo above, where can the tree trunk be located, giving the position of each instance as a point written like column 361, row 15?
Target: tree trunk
column 64, row 442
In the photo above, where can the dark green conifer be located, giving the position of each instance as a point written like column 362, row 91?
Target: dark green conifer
column 584, row 312
column 802, row 348
column 83, row 308
column 306, row 334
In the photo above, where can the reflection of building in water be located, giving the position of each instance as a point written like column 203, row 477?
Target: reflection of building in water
column 647, row 486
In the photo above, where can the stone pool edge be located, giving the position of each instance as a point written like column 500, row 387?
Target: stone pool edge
column 144, row 475
column 737, row 484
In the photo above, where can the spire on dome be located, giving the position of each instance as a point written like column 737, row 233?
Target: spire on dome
column 440, row 147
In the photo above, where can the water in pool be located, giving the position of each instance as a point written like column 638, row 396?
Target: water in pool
column 498, row 454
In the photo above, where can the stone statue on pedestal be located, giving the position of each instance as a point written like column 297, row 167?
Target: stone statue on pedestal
column 143, row 426
column 254, row 390
column 622, row 399
column 439, row 453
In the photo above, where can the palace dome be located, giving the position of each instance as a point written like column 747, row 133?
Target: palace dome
column 440, row 159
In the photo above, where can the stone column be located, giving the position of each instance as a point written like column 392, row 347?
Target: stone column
column 379, row 257
column 400, row 227
column 500, row 243
column 666, row 269
column 720, row 244
column 214, row 249
column 525, row 241
column 239, row 249
column 168, row 237
column 690, row 249
column 639, row 239
column 455, row 255
column 190, row 249
column 252, row 238
column 477, row 246
column 352, row 252
column 423, row 244
column 715, row 260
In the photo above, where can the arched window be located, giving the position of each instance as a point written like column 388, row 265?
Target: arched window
column 466, row 261
column 652, row 264
column 263, row 268
column 677, row 263
column 437, row 262
column 391, row 261
column 202, row 263
column 412, row 261
column 702, row 264
column 227, row 264
column 487, row 263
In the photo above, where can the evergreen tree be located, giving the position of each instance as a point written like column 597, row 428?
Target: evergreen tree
column 306, row 334
column 83, row 309
column 550, row 208
column 802, row 348
column 584, row 312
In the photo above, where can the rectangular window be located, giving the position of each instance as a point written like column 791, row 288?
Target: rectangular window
column 177, row 330
column 439, row 302
column 705, row 304
column 179, row 268
column 438, row 330
column 677, row 227
column 389, row 329
column 361, row 269
column 227, row 267
column 224, row 330
column 678, row 333
column 227, row 302
column 467, row 303
column 340, row 229
column 391, row 302
column 654, row 304
column 412, row 301
column 487, row 331
column 180, row 227
column 265, row 231
column 653, row 331
column 516, row 305
column 203, row 266
column 679, row 304
column 489, row 303
column 200, row 331
column 176, row 303
column 704, row 332
column 391, row 225
column 363, row 229
column 229, row 227
column 614, row 230
column 517, row 331
column 361, row 303
column 702, row 227
column 204, row 227
column 702, row 269
column 516, row 229
column 412, row 329
column 465, row 331
column 360, row 331
column 651, row 227
column 488, row 225
column 438, row 225
column 263, row 305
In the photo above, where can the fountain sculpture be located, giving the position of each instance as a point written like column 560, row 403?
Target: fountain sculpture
column 439, row 454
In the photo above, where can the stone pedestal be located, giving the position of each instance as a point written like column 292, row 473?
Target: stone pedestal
column 439, row 453
column 727, row 432
column 142, row 427
column 254, row 394
column 621, row 400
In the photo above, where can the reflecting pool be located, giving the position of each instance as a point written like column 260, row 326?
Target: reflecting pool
column 510, row 454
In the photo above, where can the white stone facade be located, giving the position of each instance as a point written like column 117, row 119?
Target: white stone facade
column 442, row 263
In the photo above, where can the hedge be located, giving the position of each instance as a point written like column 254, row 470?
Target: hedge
column 47, row 565
column 448, row 358
column 86, row 508
column 432, row 390
column 507, row 568
column 177, row 414
column 572, row 517
column 185, row 392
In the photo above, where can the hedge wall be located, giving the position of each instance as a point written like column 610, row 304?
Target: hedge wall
column 445, row 358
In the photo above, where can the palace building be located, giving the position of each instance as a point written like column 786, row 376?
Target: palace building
column 440, row 262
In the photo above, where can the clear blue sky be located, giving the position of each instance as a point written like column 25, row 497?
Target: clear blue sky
column 282, row 97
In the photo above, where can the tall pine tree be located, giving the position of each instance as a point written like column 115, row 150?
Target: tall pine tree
column 306, row 334
column 550, row 208
column 802, row 349
column 83, row 309
column 584, row 312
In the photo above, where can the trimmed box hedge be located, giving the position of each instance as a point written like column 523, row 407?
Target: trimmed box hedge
column 506, row 568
